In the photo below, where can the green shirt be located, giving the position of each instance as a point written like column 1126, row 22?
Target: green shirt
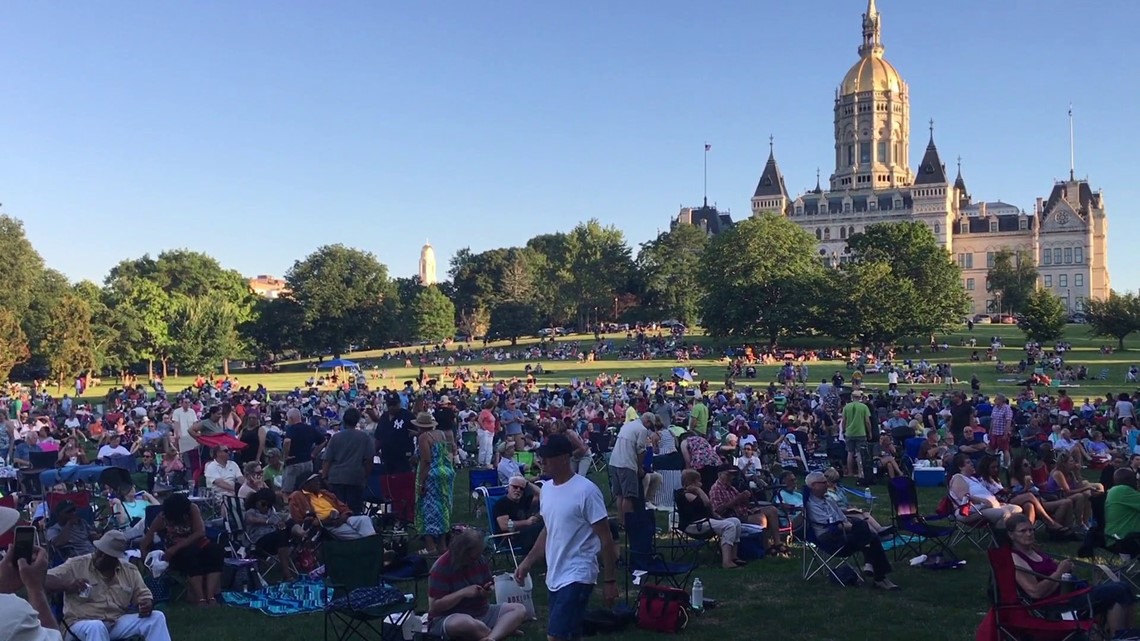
column 855, row 417
column 700, row 418
column 1121, row 512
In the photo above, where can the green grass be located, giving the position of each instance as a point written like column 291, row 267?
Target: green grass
column 766, row 597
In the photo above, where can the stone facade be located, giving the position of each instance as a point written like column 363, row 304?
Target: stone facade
column 1066, row 233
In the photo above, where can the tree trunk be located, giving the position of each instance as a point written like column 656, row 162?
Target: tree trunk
column 226, row 366
column 150, row 368
column 514, row 341
column 1120, row 340
column 164, row 371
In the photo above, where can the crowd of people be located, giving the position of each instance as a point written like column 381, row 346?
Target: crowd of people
column 732, row 460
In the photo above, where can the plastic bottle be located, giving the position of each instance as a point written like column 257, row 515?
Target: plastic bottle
column 697, row 600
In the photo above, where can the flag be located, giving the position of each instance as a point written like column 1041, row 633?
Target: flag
column 708, row 147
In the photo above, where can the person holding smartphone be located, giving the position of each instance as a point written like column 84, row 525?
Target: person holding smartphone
column 459, row 590
column 31, row 619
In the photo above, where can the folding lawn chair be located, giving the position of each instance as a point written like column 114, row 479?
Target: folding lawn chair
column 863, row 495
column 477, row 478
column 361, row 606
column 239, row 544
column 1048, row 619
column 683, row 520
column 600, row 444
column 968, row 526
column 819, row 558
column 644, row 554
column 500, row 544
column 912, row 529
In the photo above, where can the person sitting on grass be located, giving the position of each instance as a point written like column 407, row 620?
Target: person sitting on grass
column 835, row 531
column 727, row 501
column 459, row 589
column 697, row 517
column 312, row 503
column 1039, row 577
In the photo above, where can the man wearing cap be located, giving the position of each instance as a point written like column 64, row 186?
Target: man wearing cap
column 20, row 620
column 70, row 533
column 576, row 531
column 333, row 515
column 395, row 444
column 98, row 590
column 835, row 532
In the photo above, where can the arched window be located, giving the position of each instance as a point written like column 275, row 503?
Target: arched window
column 827, row 233
column 843, row 233
column 850, row 232
column 818, row 233
column 937, row 228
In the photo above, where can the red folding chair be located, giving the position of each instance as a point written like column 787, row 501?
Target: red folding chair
column 1011, row 618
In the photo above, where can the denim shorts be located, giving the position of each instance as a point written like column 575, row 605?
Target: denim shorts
column 566, row 608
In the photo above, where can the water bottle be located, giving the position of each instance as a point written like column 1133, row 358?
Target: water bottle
column 1066, row 582
column 697, row 601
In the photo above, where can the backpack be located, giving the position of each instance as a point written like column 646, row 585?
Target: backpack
column 662, row 609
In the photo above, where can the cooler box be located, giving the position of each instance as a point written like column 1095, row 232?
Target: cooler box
column 929, row 476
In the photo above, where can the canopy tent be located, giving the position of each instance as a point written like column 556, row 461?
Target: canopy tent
column 339, row 362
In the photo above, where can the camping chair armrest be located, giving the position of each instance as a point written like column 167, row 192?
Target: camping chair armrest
column 1104, row 571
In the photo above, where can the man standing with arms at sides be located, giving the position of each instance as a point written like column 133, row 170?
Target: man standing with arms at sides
column 856, row 427
column 961, row 415
column 699, row 416
column 348, row 461
column 395, row 442
column 300, row 439
column 1001, row 422
column 182, row 420
column 577, row 530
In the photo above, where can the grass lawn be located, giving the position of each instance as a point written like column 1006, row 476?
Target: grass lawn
column 766, row 597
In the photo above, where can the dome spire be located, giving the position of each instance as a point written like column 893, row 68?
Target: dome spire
column 872, row 32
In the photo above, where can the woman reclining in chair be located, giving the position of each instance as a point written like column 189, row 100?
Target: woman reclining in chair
column 1039, row 577
column 311, row 502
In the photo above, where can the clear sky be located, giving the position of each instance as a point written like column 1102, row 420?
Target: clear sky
column 257, row 131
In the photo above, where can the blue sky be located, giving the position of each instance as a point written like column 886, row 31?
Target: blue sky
column 258, row 131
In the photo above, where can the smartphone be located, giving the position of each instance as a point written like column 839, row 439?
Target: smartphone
column 24, row 544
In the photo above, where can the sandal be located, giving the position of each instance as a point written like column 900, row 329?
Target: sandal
column 740, row 563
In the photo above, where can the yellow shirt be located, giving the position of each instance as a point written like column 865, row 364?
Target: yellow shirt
column 108, row 599
column 630, row 414
column 322, row 507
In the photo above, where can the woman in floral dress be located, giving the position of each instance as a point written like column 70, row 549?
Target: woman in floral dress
column 436, row 483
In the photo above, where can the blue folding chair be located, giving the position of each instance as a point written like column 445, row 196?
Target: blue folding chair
column 479, row 478
column 499, row 543
column 644, row 553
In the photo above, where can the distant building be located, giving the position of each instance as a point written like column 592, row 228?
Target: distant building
column 268, row 286
column 706, row 217
column 1065, row 234
column 427, row 265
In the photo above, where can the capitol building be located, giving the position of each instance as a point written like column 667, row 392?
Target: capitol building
column 1065, row 233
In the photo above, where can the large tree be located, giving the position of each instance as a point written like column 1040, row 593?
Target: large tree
column 51, row 287
column 202, row 333
column 511, row 320
column 760, row 279
column 1013, row 278
column 69, row 344
column 863, row 302
column 915, row 256
column 1116, row 316
column 20, row 267
column 13, row 343
column 275, row 327
column 1042, row 316
column 432, row 315
column 342, row 293
column 670, row 269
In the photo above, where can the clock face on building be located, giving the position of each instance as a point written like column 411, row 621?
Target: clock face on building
column 1063, row 218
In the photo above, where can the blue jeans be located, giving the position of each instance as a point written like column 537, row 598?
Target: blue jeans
column 566, row 608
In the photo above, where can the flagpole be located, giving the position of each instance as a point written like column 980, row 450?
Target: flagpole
column 706, row 191
column 1072, row 152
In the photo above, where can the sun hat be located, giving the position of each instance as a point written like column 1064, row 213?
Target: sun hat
column 114, row 544
column 425, row 420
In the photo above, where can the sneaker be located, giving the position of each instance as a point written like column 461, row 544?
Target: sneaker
column 868, row 570
column 650, row 506
column 886, row 584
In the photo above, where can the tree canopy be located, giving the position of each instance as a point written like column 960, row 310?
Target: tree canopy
column 1012, row 279
column 1116, row 316
column 1043, row 316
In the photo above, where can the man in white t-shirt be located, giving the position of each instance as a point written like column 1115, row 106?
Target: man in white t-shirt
column 183, row 419
column 577, row 530
column 626, row 461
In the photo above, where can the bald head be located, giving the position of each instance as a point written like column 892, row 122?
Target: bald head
column 293, row 416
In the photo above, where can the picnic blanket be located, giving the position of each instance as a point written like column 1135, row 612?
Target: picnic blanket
column 282, row 599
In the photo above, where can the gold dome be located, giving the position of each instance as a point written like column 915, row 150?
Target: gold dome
column 871, row 73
